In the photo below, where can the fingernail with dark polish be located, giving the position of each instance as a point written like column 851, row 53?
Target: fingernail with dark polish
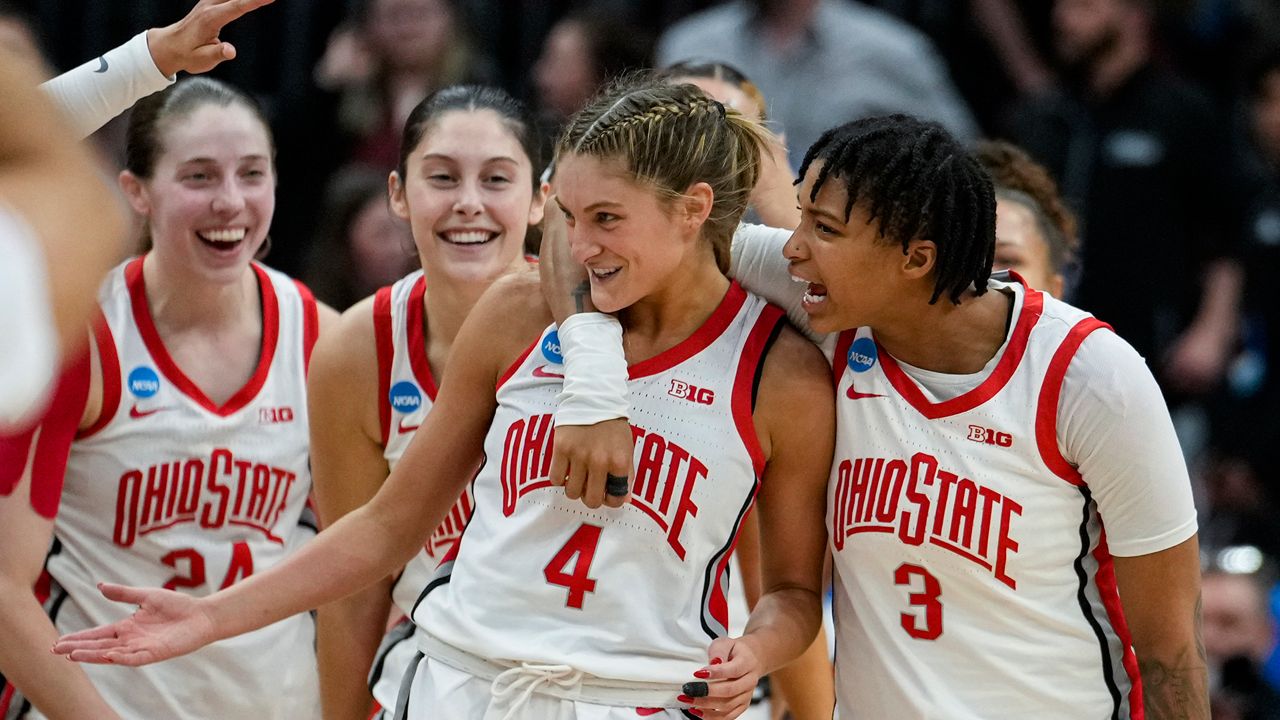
column 695, row 689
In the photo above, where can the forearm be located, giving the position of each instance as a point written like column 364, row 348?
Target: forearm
column 1220, row 299
column 1175, row 682
column 348, row 633
column 99, row 90
column 59, row 689
column 806, row 684
column 355, row 552
column 782, row 625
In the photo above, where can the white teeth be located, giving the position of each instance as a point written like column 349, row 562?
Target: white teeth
column 603, row 272
column 811, row 299
column 468, row 237
column 223, row 235
column 799, row 280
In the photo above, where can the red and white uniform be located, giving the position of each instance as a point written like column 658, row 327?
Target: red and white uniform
column 168, row 489
column 628, row 595
column 406, row 391
column 973, row 520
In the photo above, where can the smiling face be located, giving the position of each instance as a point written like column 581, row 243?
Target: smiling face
column 211, row 195
column 627, row 237
column 854, row 275
column 468, row 196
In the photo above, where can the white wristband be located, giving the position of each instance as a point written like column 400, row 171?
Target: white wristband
column 97, row 91
column 595, row 370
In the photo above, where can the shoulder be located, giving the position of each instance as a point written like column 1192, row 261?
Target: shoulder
column 796, row 375
column 347, row 347
column 509, row 316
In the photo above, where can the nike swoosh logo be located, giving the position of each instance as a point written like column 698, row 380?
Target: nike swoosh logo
column 102, row 65
column 538, row 372
column 137, row 414
column 855, row 395
column 402, row 428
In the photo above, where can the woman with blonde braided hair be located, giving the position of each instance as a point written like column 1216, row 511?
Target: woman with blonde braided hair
column 556, row 605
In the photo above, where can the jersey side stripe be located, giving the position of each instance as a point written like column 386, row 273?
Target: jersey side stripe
column 417, row 339
column 1110, row 592
column 1050, row 392
column 751, row 362
column 1086, row 608
column 109, row 361
column 386, row 353
column 310, row 323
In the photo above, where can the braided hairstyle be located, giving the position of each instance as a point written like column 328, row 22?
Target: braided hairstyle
column 1022, row 180
column 670, row 137
column 917, row 182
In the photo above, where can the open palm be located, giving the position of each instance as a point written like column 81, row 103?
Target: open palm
column 165, row 625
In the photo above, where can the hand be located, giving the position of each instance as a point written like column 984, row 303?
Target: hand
column 165, row 625
column 774, row 196
column 564, row 280
column 583, row 457
column 1197, row 360
column 192, row 43
column 730, row 680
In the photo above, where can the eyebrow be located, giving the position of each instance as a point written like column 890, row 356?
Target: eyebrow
column 592, row 206
column 815, row 210
column 195, row 160
column 442, row 156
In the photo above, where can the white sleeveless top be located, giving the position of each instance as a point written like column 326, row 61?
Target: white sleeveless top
column 972, row 576
column 633, row 593
column 168, row 489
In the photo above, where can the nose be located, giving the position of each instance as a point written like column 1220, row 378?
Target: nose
column 581, row 245
column 795, row 248
column 229, row 200
column 468, row 202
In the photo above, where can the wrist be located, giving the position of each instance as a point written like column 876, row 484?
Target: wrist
column 166, row 61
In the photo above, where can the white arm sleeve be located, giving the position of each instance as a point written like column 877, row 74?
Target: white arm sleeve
column 595, row 370
column 758, row 264
column 97, row 91
column 1113, row 425
column 28, row 364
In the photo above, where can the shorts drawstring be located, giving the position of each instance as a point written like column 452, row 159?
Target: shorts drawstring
column 526, row 678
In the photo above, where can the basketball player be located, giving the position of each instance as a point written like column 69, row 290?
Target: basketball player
column 54, row 259
column 467, row 184
column 183, row 437
column 727, row 403
column 1009, row 511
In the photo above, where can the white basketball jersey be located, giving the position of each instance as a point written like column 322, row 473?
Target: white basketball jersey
column 972, row 577
column 633, row 593
column 168, row 489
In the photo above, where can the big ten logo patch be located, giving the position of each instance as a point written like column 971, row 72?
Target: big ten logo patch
column 987, row 436
column 551, row 348
column 143, row 382
column 274, row 415
column 862, row 355
column 692, row 393
column 405, row 397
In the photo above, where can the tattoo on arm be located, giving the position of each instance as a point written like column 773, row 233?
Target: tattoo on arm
column 580, row 295
column 1177, row 687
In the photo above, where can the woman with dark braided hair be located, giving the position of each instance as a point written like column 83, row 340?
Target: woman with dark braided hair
column 546, row 608
column 1010, row 516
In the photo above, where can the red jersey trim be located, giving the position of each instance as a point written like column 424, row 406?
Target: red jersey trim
column 310, row 323
column 1050, row 395
column 155, row 346
column 109, row 362
column 840, row 360
column 1032, row 306
column 386, row 353
column 416, row 338
column 701, row 338
column 1108, row 589
column 749, row 362
column 516, row 365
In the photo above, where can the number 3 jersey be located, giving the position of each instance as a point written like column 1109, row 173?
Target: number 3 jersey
column 633, row 593
column 168, row 489
column 973, row 578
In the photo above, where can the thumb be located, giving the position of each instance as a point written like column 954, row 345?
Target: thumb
column 207, row 57
column 122, row 593
column 719, row 651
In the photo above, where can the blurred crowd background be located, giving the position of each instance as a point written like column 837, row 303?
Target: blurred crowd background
column 1160, row 120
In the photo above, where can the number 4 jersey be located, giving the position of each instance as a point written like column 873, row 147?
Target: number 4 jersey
column 633, row 593
column 973, row 578
column 170, row 490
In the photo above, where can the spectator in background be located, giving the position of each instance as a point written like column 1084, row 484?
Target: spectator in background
column 822, row 63
column 360, row 245
column 1142, row 159
column 583, row 50
column 1239, row 633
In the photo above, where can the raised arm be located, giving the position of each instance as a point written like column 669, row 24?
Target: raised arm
column 347, row 469
column 92, row 94
column 795, row 419
column 367, row 543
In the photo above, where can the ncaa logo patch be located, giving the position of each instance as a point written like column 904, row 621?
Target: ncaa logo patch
column 143, row 382
column 405, row 397
column 862, row 355
column 551, row 348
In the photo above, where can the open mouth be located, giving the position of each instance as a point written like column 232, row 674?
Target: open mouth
column 816, row 294
column 222, row 239
column 468, row 237
column 602, row 274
